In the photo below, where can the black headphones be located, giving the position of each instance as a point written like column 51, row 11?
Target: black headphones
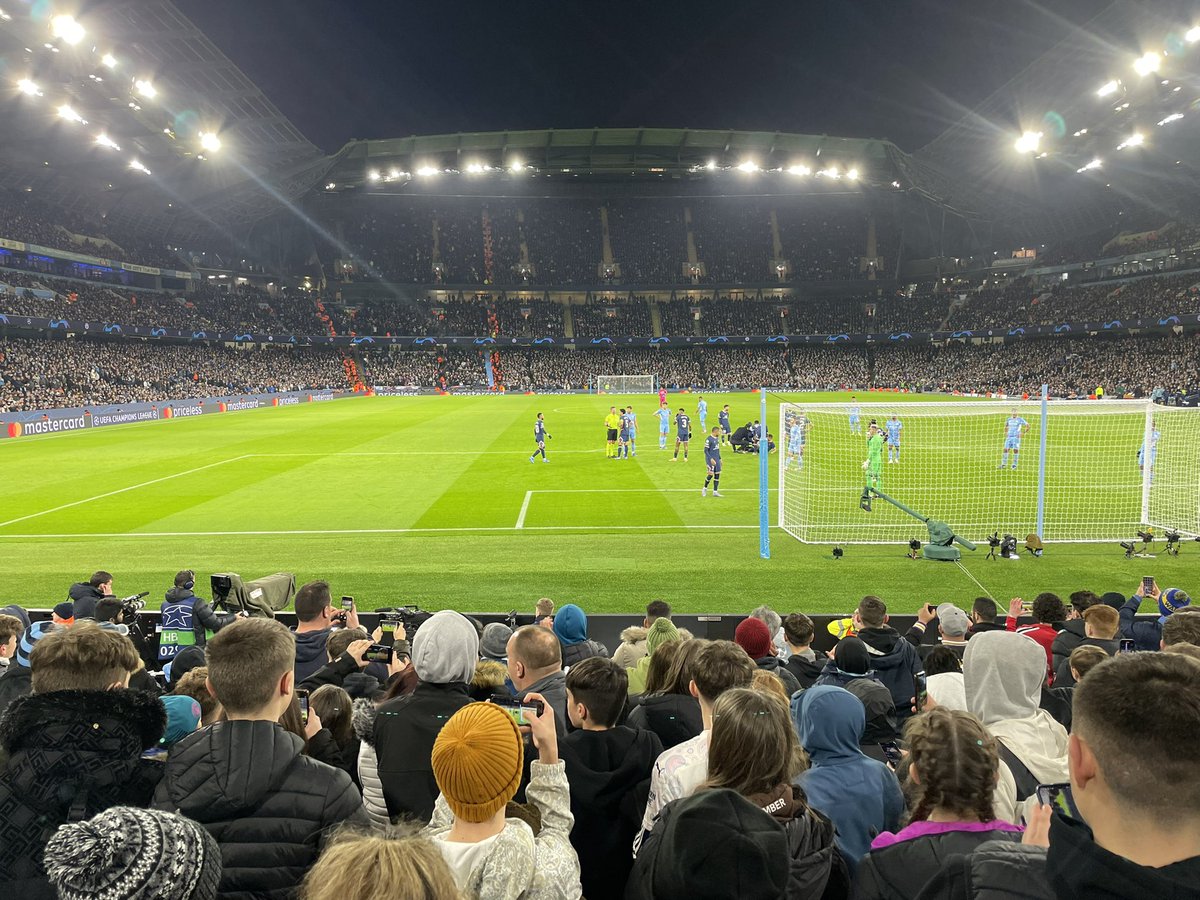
column 191, row 582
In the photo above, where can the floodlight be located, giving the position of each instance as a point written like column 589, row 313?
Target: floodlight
column 210, row 142
column 516, row 166
column 831, row 172
column 1174, row 117
column 330, row 186
column 66, row 112
column 5, row 17
column 748, row 165
column 1147, row 63
column 852, row 174
column 134, row 164
column 799, row 170
column 1193, row 34
column 67, row 29
column 373, row 175
column 1108, row 88
column 27, row 87
column 1028, row 142
column 1094, row 164
column 427, row 171
column 710, row 165
column 1134, row 140
column 474, row 168
column 145, row 88
column 105, row 141
column 109, row 60
column 394, row 172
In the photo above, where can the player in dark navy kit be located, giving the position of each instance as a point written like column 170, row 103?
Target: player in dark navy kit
column 683, row 433
column 712, row 458
column 723, row 421
column 540, row 436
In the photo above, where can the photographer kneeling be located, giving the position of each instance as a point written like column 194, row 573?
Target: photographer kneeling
column 186, row 618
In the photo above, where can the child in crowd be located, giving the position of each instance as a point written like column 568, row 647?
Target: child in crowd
column 389, row 865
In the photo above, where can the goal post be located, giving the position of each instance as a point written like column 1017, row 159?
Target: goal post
column 1082, row 478
column 624, row 384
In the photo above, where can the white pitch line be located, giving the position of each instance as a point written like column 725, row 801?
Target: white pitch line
column 496, row 528
column 514, row 454
column 524, row 509
column 132, row 487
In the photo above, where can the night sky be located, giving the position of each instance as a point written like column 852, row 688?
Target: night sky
column 343, row 69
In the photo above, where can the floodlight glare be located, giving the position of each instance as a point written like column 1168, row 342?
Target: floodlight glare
column 748, row 165
column 109, row 60
column 67, row 29
column 711, row 165
column 517, row 166
column 474, row 168
column 5, row 16
column 427, row 171
column 27, row 87
column 1028, row 142
column 393, row 172
column 1147, row 63
column 134, row 164
column 1174, row 117
column 105, row 141
column 65, row 112
column 1094, row 164
column 1193, row 34
column 799, row 170
column 1108, row 88
column 373, row 175
column 1134, row 140
column 145, row 88
column 852, row 174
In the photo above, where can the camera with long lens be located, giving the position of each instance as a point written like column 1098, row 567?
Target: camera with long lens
column 1008, row 546
column 131, row 606
column 411, row 617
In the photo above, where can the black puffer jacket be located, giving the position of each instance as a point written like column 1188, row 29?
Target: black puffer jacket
column 405, row 729
column 267, row 805
column 84, row 598
column 15, row 682
column 995, row 870
column 675, row 718
column 70, row 755
column 577, row 653
column 902, row 870
column 1071, row 636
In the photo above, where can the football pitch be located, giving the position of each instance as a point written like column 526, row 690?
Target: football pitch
column 433, row 501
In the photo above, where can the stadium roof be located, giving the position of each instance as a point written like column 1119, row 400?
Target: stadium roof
column 143, row 76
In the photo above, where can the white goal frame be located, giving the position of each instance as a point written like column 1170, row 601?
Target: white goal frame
column 819, row 503
column 623, row 384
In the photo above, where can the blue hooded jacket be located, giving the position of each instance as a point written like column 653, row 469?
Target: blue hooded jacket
column 570, row 626
column 859, row 794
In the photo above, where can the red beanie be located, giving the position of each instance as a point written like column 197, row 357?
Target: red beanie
column 753, row 637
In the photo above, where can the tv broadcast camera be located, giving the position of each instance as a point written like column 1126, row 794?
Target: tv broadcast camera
column 941, row 536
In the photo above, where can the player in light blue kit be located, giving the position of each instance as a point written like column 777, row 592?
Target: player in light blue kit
column 702, row 412
column 631, row 425
column 1155, row 434
column 664, row 424
column 855, row 427
column 1014, row 430
column 894, row 426
column 796, row 436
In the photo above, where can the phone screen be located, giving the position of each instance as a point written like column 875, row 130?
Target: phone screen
column 302, row 700
column 379, row 653
column 1126, row 645
column 388, row 627
column 919, row 691
column 1147, row 585
column 517, row 708
column 347, row 603
column 1056, row 796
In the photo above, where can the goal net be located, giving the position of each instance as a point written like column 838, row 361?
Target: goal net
column 624, row 384
column 955, row 461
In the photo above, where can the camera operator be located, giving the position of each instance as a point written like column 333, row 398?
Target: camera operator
column 86, row 594
column 186, row 618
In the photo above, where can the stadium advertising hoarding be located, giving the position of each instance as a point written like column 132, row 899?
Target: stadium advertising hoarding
column 88, row 260
column 56, row 421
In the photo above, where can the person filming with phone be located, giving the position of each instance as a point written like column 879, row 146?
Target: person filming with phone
column 1148, row 635
column 316, row 617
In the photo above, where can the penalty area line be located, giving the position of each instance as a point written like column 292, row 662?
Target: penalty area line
column 360, row 531
column 524, row 509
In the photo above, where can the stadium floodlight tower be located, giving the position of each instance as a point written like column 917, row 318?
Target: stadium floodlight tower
column 941, row 536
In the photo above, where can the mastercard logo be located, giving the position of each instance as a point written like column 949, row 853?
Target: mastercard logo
column 15, row 429
column 274, row 401
column 221, row 407
column 167, row 412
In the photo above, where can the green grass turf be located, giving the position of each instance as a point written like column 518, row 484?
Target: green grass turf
column 415, row 500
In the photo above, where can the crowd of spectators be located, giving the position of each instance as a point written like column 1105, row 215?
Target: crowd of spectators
column 445, row 759
column 733, row 240
column 45, row 374
column 614, row 317
column 649, row 240
column 823, row 238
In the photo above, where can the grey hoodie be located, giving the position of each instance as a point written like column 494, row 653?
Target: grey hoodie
column 445, row 649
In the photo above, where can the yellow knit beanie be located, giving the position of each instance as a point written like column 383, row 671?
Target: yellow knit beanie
column 477, row 761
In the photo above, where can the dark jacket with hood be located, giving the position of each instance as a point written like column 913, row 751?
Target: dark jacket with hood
column 860, row 795
column 805, row 671
column 267, row 804
column 1075, row 867
column 1062, row 676
column 776, row 667
column 609, row 773
column 1146, row 635
column 570, row 626
column 310, row 653
column 70, row 755
column 881, row 726
column 1069, row 637
column 204, row 619
column 85, row 598
column 818, row 869
column 15, row 682
column 901, row 870
column 895, row 662
column 675, row 718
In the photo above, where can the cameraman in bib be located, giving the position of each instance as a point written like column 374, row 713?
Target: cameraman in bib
column 186, row 618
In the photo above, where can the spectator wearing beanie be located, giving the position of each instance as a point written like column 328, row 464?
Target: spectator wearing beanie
column 444, row 652
column 1101, row 625
column 492, row 669
column 183, row 718
column 713, row 845
column 134, row 854
column 477, row 760
column 633, row 639
column 72, row 748
column 1148, row 635
column 861, row 795
column 15, row 682
column 493, row 643
column 570, row 627
column 850, row 668
column 63, row 614
column 661, row 631
column 753, row 636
